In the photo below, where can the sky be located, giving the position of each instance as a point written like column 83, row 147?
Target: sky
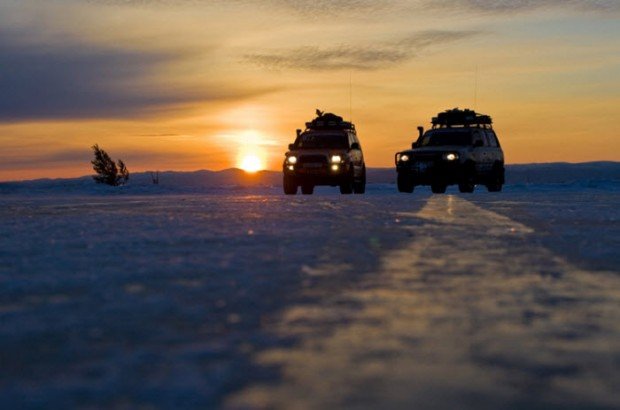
column 191, row 84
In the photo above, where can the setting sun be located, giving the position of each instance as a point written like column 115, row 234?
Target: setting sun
column 251, row 163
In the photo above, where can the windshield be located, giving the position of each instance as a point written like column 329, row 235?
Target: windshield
column 335, row 141
column 437, row 139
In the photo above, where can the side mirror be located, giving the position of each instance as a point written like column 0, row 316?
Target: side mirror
column 478, row 143
column 414, row 144
column 421, row 131
column 291, row 147
column 355, row 145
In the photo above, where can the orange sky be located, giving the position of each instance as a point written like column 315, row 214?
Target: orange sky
column 186, row 85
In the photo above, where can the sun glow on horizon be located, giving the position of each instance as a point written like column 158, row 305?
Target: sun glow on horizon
column 251, row 163
column 253, row 149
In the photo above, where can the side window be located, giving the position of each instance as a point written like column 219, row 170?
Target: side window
column 352, row 139
column 477, row 138
column 492, row 139
column 485, row 138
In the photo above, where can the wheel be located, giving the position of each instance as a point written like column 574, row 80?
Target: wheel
column 468, row 182
column 346, row 187
column 466, row 187
column 289, row 185
column 496, row 180
column 404, row 183
column 359, row 187
column 307, row 189
column 438, row 188
column 495, row 187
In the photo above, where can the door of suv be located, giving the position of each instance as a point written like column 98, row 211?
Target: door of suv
column 495, row 152
column 356, row 155
column 480, row 152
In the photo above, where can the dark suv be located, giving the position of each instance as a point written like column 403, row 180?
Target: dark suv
column 326, row 153
column 461, row 148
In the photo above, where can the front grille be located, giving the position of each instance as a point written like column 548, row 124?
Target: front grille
column 426, row 156
column 307, row 159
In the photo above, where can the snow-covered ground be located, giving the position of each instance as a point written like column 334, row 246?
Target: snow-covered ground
column 245, row 298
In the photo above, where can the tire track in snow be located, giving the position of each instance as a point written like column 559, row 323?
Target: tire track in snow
column 472, row 313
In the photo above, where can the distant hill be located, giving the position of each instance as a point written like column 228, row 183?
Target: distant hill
column 548, row 173
column 555, row 173
column 561, row 172
column 204, row 178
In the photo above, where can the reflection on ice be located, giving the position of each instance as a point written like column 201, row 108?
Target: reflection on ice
column 465, row 316
column 452, row 210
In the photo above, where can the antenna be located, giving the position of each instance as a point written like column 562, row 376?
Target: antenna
column 476, row 88
column 350, row 97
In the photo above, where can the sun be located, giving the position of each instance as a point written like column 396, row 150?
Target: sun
column 251, row 163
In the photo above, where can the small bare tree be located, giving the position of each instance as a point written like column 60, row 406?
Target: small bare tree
column 107, row 171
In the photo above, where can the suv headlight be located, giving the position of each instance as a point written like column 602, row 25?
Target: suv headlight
column 336, row 159
column 451, row 156
column 404, row 158
column 292, row 159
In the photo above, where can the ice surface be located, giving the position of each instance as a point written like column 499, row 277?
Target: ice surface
column 246, row 298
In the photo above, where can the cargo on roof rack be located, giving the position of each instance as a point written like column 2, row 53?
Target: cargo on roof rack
column 329, row 121
column 461, row 118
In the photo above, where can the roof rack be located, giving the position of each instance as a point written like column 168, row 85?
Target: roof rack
column 329, row 121
column 461, row 118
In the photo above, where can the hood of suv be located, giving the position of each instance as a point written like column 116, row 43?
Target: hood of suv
column 314, row 152
column 440, row 149
column 430, row 151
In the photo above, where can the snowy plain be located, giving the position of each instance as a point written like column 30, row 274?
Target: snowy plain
column 241, row 297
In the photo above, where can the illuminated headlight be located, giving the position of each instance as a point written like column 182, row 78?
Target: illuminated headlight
column 451, row 156
column 291, row 167
column 404, row 158
column 335, row 168
column 292, row 159
column 336, row 159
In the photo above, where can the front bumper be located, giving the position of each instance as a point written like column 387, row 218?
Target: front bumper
column 325, row 174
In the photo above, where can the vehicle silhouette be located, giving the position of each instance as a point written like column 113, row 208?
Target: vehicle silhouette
column 327, row 152
column 461, row 148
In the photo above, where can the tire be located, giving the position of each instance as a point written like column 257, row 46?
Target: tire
column 496, row 180
column 494, row 188
column 346, row 187
column 438, row 188
column 359, row 187
column 289, row 185
column 468, row 182
column 307, row 189
column 404, row 183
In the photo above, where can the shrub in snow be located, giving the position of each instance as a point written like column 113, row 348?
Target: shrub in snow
column 107, row 171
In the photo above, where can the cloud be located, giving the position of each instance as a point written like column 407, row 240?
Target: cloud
column 325, row 7
column 82, row 157
column 512, row 6
column 357, row 57
column 329, row 8
column 70, row 156
column 52, row 80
